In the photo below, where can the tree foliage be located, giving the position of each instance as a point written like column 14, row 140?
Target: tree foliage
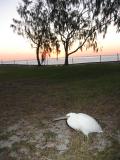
column 50, row 23
column 73, row 21
column 108, row 9
column 34, row 24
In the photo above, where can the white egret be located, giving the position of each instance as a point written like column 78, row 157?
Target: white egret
column 82, row 122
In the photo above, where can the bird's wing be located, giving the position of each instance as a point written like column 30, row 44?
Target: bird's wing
column 89, row 122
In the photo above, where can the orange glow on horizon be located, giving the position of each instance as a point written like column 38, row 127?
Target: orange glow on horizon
column 15, row 47
column 32, row 55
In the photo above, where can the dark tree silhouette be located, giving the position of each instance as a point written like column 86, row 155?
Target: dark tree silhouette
column 72, row 22
column 34, row 24
column 50, row 23
column 108, row 9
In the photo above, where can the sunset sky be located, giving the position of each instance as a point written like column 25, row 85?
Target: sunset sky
column 15, row 47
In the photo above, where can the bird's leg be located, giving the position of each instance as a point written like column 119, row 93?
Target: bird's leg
column 85, row 138
column 84, row 147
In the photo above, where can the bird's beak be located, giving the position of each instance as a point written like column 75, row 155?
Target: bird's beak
column 60, row 118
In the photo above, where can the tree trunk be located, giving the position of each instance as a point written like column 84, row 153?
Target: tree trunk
column 66, row 53
column 37, row 56
column 66, row 59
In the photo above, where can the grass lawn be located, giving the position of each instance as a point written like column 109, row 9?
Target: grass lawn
column 31, row 96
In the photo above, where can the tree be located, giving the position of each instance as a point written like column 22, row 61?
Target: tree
column 50, row 23
column 108, row 9
column 72, row 21
column 34, row 25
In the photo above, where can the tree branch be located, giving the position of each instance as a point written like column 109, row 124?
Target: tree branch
column 93, row 29
column 30, row 36
column 79, row 46
column 62, row 36
column 70, row 34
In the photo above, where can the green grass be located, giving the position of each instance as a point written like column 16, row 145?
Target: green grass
column 39, row 94
column 89, row 87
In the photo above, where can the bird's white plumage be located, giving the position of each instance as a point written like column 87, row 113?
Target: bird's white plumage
column 83, row 122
